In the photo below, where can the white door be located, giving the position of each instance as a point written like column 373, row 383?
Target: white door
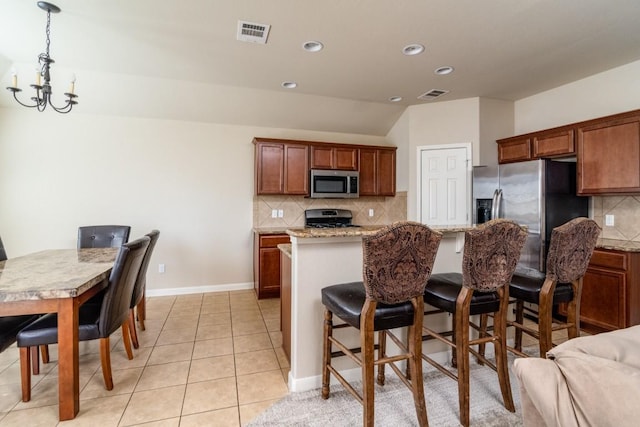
column 443, row 186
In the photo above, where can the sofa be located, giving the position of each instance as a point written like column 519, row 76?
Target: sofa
column 587, row 381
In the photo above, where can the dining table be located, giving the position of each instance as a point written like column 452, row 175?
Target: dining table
column 57, row 281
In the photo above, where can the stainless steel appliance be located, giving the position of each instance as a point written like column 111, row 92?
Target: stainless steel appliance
column 328, row 218
column 540, row 194
column 335, row 184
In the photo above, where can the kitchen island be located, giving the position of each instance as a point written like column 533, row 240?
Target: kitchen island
column 318, row 258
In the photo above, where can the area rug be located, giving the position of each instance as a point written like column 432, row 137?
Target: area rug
column 394, row 404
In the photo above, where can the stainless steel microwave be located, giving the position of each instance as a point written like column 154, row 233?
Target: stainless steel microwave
column 334, row 184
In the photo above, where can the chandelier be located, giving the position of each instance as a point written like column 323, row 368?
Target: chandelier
column 44, row 91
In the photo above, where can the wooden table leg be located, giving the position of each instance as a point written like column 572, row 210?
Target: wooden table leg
column 68, row 371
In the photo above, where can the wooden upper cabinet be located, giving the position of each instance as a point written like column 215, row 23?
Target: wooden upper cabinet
column 554, row 144
column 608, row 154
column 377, row 172
column 327, row 157
column 281, row 168
column 514, row 149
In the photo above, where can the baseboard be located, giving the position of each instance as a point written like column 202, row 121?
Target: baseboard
column 199, row 289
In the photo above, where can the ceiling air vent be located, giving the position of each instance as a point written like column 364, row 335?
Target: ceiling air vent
column 252, row 32
column 432, row 94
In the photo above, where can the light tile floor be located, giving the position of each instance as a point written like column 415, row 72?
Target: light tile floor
column 211, row 359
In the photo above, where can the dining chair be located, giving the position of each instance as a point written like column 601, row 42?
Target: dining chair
column 397, row 261
column 93, row 324
column 570, row 250
column 103, row 236
column 138, row 298
column 491, row 252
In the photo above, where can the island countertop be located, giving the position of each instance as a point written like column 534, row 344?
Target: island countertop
column 365, row 230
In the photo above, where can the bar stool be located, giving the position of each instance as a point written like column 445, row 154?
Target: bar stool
column 570, row 250
column 397, row 264
column 491, row 252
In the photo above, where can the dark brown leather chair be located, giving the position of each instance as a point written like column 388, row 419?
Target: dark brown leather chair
column 397, row 263
column 94, row 324
column 103, row 236
column 138, row 298
column 570, row 250
column 491, row 252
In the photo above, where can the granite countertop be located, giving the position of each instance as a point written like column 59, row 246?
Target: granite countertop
column 618, row 245
column 270, row 230
column 365, row 230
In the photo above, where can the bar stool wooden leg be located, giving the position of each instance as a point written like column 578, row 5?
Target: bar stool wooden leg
column 326, row 352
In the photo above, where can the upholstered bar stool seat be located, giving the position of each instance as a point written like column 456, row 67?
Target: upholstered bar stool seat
column 527, row 288
column 444, row 289
column 346, row 301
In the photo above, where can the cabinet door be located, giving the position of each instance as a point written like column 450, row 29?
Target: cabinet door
column 368, row 176
column 269, row 168
column 554, row 144
column 296, row 169
column 346, row 159
column 603, row 299
column 269, row 273
column 386, row 172
column 321, row 157
column 514, row 150
column 609, row 157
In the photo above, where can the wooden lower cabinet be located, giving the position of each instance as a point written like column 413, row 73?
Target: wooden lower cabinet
column 266, row 264
column 610, row 292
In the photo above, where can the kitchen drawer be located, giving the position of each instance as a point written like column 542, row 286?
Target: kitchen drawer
column 267, row 241
column 612, row 260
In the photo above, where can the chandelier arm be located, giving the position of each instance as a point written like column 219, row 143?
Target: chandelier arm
column 64, row 110
column 20, row 102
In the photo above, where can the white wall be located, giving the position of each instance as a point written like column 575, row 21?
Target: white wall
column 192, row 181
column 610, row 92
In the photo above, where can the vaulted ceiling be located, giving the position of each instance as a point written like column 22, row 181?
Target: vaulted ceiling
column 180, row 59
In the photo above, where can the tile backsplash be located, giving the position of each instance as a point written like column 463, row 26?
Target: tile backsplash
column 626, row 216
column 385, row 209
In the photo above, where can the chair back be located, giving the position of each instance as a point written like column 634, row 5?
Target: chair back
column 103, row 236
column 117, row 297
column 491, row 253
column 398, row 261
column 3, row 253
column 570, row 250
column 138, row 289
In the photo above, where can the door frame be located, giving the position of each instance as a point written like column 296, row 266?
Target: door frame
column 469, row 168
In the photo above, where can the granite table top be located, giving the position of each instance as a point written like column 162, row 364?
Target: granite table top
column 56, row 273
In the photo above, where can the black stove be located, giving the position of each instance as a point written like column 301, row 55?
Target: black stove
column 328, row 218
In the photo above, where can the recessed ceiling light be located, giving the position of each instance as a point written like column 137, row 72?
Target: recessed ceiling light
column 289, row 85
column 395, row 99
column 312, row 46
column 413, row 49
column 444, row 70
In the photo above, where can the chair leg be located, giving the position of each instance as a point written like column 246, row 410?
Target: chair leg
column 368, row 362
column 415, row 362
column 500, row 345
column 35, row 360
column 141, row 309
column 545, row 320
column 25, row 374
column 44, row 352
column 382, row 352
column 105, row 360
column 519, row 320
column 484, row 323
column 126, row 339
column 132, row 329
column 462, row 362
column 573, row 310
column 326, row 352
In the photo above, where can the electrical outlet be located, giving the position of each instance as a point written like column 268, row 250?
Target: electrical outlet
column 280, row 213
column 274, row 213
column 609, row 220
column 160, row 268
column 370, row 212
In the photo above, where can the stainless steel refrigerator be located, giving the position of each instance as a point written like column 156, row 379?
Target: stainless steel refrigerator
column 540, row 194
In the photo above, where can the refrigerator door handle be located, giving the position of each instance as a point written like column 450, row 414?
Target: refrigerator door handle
column 493, row 204
column 498, row 201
